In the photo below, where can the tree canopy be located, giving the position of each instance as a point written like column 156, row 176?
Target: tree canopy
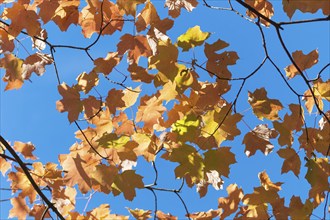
column 149, row 85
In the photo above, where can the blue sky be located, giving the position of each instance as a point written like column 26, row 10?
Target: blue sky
column 30, row 114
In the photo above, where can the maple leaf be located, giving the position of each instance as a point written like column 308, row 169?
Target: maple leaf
column 299, row 210
column 135, row 45
column 126, row 183
column 165, row 61
column 191, row 162
column 4, row 166
column 149, row 111
column 279, row 209
column 38, row 42
column 186, row 128
column 219, row 160
column 292, row 161
column 27, row 19
column 168, row 92
column 130, row 7
column 192, row 38
column 14, row 71
column 316, row 139
column 221, row 124
column 66, row 14
column 87, row 81
column 47, row 10
column 146, row 146
column 102, row 122
column 258, row 139
column 19, row 181
column 321, row 91
column 20, row 209
column 212, row 178
column 115, row 100
column 185, row 78
column 209, row 94
column 91, row 106
column 123, row 125
column 130, row 97
column 35, row 63
column 38, row 212
column 209, row 215
column 103, row 212
column 230, row 204
column 317, row 175
column 70, row 103
column 262, row 106
column 174, row 6
column 65, row 199
column 257, row 202
column 210, row 49
column 104, row 177
column 290, row 123
column 148, row 16
column 140, row 214
column 140, row 74
column 162, row 215
column 303, row 62
column 90, row 18
column 79, row 168
column 113, row 141
column 267, row 183
column 264, row 7
column 218, row 63
column 25, row 149
column 6, row 44
column 290, row 7
column 107, row 64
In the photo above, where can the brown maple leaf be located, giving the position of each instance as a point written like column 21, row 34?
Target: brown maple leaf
column 174, row 6
column 258, row 139
column 70, row 103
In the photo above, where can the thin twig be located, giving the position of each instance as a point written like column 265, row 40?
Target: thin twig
column 301, row 74
column 184, row 204
column 304, row 21
column 156, row 202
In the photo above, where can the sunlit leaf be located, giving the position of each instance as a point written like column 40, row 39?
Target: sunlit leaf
column 192, row 38
column 262, row 106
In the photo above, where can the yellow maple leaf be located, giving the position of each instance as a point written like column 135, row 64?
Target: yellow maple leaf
column 192, row 38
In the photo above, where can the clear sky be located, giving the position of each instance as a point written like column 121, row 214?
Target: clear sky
column 30, row 114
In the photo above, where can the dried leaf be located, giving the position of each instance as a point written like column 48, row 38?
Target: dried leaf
column 229, row 205
column 174, row 6
column 262, row 106
column 25, row 149
column 264, row 7
column 290, row 7
column 20, row 209
column 140, row 214
column 292, row 161
column 258, row 139
column 303, row 62
column 70, row 103
column 126, row 183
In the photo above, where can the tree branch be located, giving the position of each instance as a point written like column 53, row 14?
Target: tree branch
column 28, row 175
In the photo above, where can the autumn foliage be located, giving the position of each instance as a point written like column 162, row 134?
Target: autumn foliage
column 171, row 105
